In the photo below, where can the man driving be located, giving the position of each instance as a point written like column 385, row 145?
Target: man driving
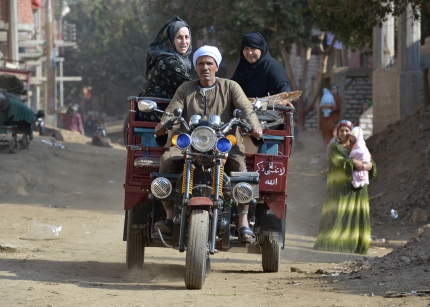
column 209, row 96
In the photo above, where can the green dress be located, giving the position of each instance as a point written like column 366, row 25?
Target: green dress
column 345, row 219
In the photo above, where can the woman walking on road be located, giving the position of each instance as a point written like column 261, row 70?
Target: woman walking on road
column 345, row 220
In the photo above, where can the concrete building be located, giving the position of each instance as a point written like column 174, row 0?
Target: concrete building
column 23, row 46
column 395, row 81
column 398, row 87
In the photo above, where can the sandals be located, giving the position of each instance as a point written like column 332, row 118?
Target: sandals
column 165, row 226
column 246, row 231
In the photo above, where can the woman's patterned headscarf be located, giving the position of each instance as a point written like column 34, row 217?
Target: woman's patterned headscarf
column 344, row 123
column 163, row 44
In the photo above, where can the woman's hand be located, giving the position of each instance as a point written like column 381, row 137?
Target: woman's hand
column 360, row 166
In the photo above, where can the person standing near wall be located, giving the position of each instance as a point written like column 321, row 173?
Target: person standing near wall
column 72, row 119
column 332, row 119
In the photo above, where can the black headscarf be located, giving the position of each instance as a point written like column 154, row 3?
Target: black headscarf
column 266, row 76
column 163, row 44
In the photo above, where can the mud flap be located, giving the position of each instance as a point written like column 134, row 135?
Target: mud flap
column 141, row 213
column 272, row 227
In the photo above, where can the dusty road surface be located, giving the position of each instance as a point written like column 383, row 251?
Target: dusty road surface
column 80, row 189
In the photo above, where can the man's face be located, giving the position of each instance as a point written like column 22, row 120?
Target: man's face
column 206, row 69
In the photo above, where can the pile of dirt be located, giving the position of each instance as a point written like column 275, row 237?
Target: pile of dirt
column 415, row 252
column 403, row 272
column 401, row 182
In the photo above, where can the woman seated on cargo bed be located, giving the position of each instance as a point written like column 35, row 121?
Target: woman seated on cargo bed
column 167, row 63
column 258, row 73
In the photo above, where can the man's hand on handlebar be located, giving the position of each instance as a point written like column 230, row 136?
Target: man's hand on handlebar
column 257, row 132
column 159, row 126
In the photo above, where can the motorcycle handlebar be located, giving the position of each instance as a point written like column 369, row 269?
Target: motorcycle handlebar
column 167, row 125
column 246, row 126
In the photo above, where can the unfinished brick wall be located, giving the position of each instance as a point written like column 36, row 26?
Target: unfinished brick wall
column 4, row 10
column 25, row 11
column 356, row 90
column 366, row 123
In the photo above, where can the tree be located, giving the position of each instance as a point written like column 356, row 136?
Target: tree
column 226, row 21
column 112, row 40
column 353, row 21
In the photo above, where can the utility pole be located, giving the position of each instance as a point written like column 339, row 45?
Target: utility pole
column 50, row 105
column 12, row 39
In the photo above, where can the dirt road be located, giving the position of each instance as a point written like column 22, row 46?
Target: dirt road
column 80, row 188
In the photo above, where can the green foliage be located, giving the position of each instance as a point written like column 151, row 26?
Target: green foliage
column 112, row 39
column 352, row 21
column 226, row 21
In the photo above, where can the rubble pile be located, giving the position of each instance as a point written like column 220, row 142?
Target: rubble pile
column 402, row 181
column 414, row 253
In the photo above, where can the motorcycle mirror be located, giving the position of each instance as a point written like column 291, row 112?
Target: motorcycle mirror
column 177, row 112
column 146, row 105
column 237, row 113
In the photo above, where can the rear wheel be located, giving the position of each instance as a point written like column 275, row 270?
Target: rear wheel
column 124, row 129
column 135, row 245
column 271, row 255
column 197, row 249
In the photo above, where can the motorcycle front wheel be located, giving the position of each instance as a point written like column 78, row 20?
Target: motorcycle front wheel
column 197, row 249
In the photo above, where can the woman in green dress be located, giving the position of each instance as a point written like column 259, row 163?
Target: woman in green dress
column 345, row 220
column 167, row 63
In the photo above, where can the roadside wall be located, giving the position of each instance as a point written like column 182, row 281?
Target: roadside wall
column 366, row 122
column 354, row 84
column 356, row 90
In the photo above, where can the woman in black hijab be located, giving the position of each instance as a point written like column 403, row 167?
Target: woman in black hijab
column 258, row 73
column 167, row 63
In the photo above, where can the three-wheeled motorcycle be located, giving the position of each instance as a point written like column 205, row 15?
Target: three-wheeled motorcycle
column 205, row 197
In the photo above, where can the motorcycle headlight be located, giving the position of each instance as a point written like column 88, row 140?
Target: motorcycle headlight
column 203, row 138
column 223, row 145
column 183, row 141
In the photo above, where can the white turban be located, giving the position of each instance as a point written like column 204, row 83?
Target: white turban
column 209, row 51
